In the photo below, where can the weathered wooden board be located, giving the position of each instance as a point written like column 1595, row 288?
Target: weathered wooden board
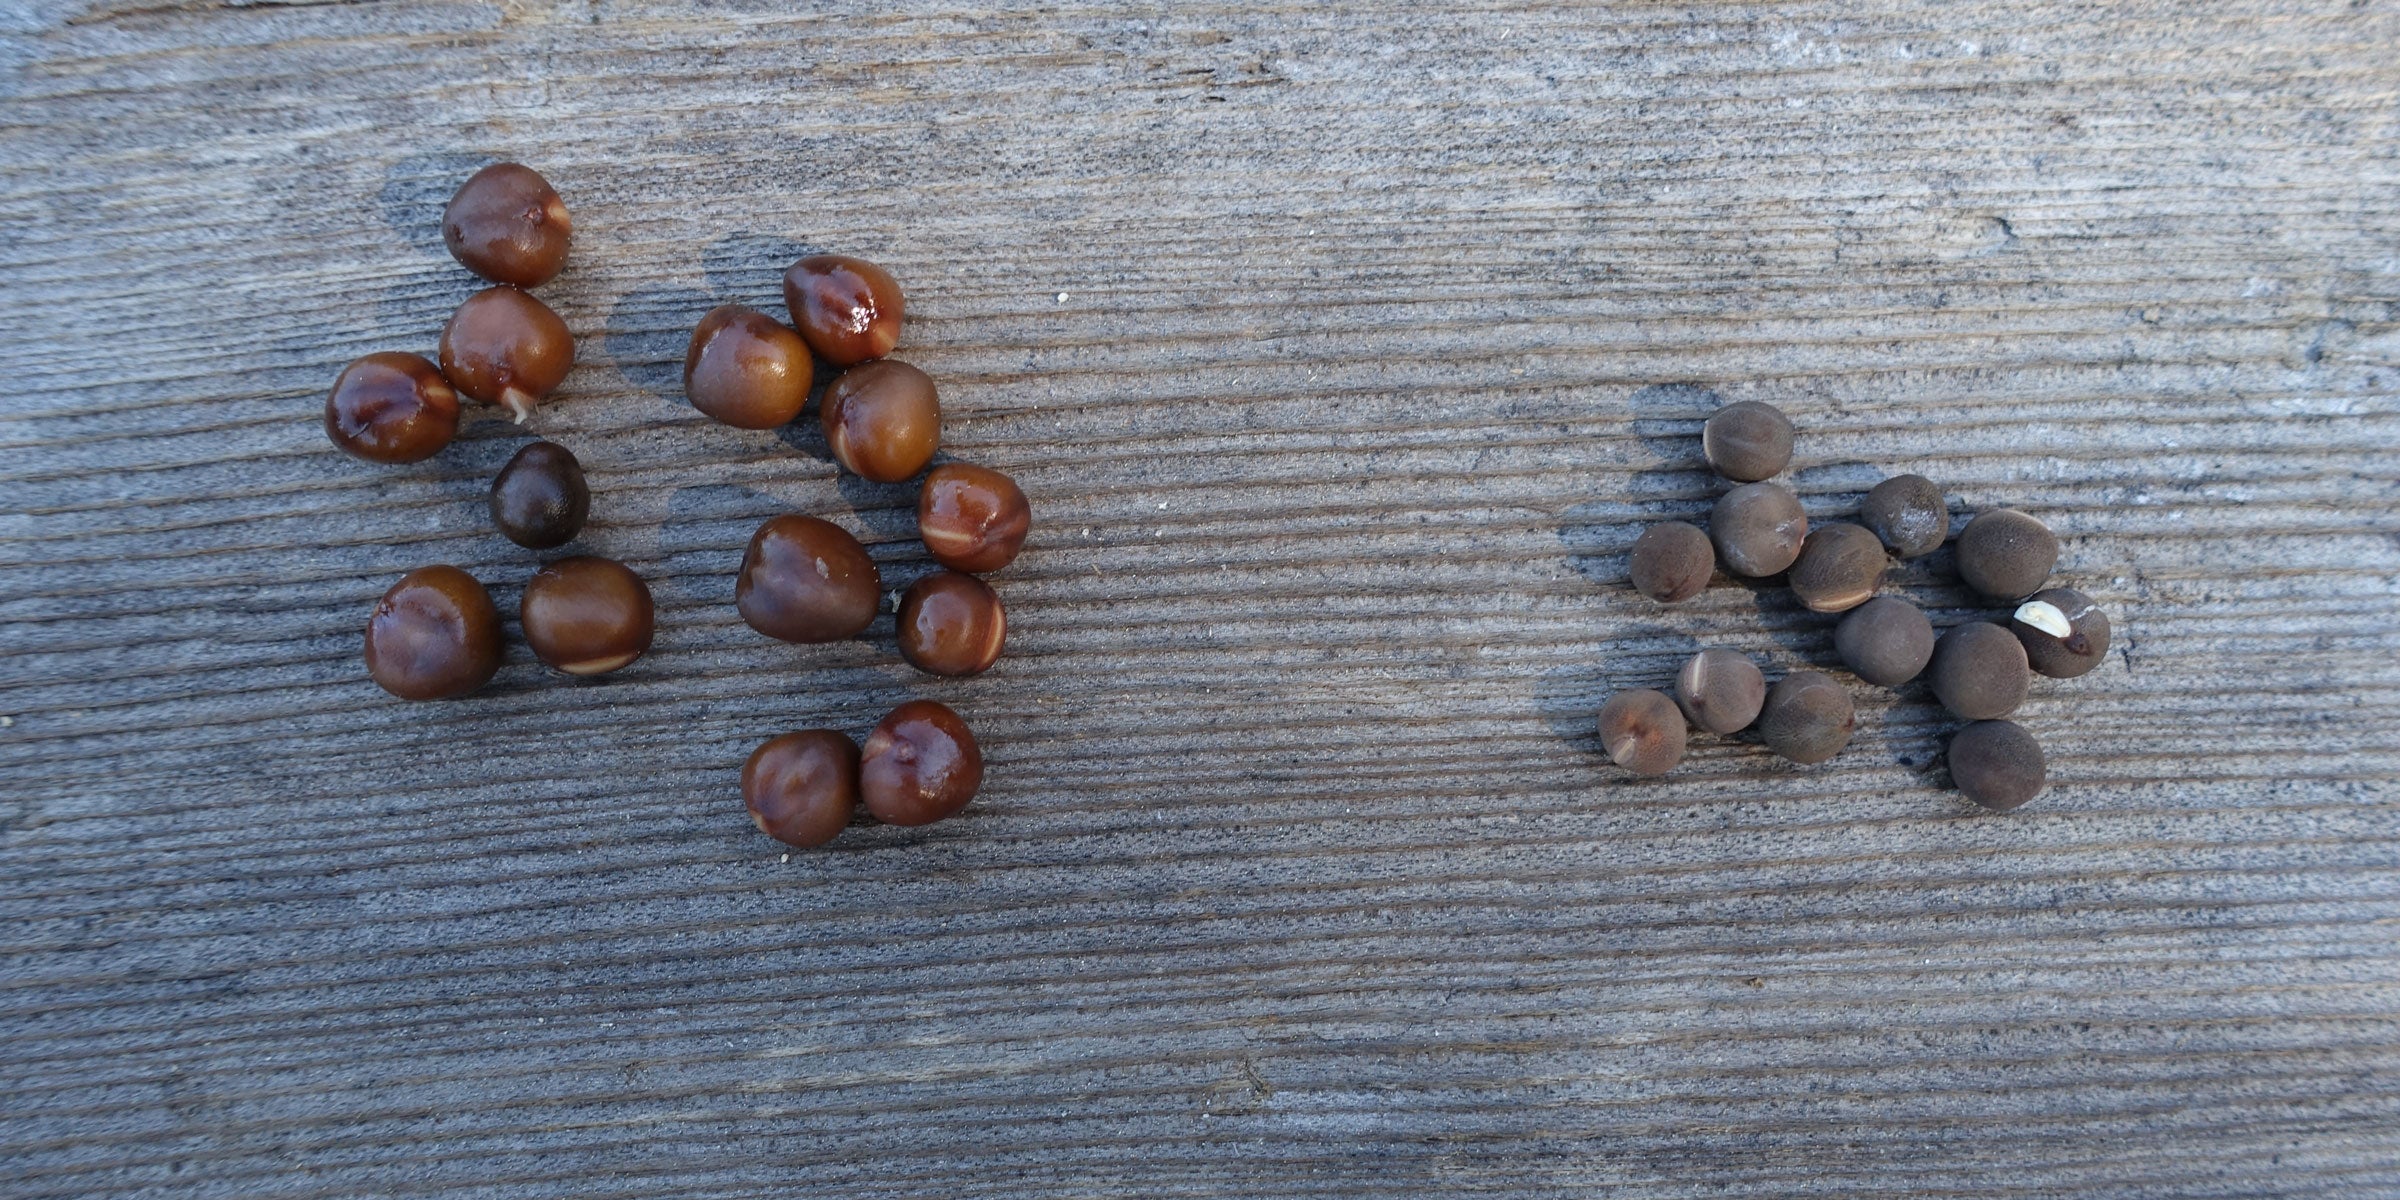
column 1343, row 351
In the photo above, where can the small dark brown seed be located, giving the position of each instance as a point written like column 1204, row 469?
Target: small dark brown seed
column 1997, row 764
column 1909, row 513
column 882, row 420
column 1758, row 528
column 801, row 788
column 1747, row 442
column 806, row 580
column 505, row 348
column 2064, row 633
column 747, row 369
column 921, row 764
column 507, row 224
column 391, row 408
column 1720, row 690
column 2005, row 554
column 1808, row 717
column 587, row 615
column 433, row 636
column 972, row 518
column 1885, row 641
column 951, row 624
column 1839, row 568
column 1672, row 561
column 849, row 309
column 539, row 500
column 1643, row 731
column 1979, row 671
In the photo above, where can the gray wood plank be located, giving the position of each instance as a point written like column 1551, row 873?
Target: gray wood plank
column 1343, row 353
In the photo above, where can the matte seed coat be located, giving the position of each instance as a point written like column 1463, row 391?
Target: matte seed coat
column 1748, row 441
column 1908, row 513
column 1672, row 562
column 1997, row 764
column 1720, row 690
column 1887, row 641
column 1979, row 671
column 1643, row 731
column 2006, row 554
column 1808, row 718
column 2084, row 643
column 1758, row 529
column 1839, row 568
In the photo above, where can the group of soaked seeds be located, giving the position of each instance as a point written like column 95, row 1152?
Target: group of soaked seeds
column 436, row 633
column 804, row 579
column 1980, row 670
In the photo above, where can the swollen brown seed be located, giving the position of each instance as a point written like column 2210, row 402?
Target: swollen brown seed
column 1839, row 568
column 2064, row 633
column 1671, row 562
column 434, row 635
column 539, row 500
column 747, row 369
column 1747, row 442
column 1758, row 528
column 972, row 518
column 802, row 787
column 951, row 624
column 391, row 408
column 921, row 764
column 587, row 615
column 1807, row 718
column 848, row 308
column 1979, row 671
column 806, row 580
column 1909, row 513
column 1997, row 764
column 506, row 348
column 882, row 420
column 1720, row 690
column 507, row 224
column 2005, row 554
column 1885, row 641
column 1643, row 731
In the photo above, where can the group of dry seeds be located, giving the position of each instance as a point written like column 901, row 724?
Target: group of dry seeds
column 436, row 633
column 1980, row 670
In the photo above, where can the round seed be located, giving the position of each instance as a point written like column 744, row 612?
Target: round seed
column 507, row 224
column 587, row 615
column 1909, row 513
column 1758, row 528
column 1979, row 671
column 506, row 348
column 1672, row 562
column 920, row 765
column 1643, row 731
column 806, row 580
column 747, row 369
column 801, row 788
column 1807, row 718
column 2064, row 633
column 1720, row 690
column 1748, row 441
column 972, row 518
column 391, row 407
column 1839, row 568
column 539, row 500
column 1885, row 641
column 2005, row 554
column 1997, row 764
column 433, row 636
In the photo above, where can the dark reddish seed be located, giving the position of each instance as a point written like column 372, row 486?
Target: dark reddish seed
column 391, row 408
column 951, row 624
column 806, row 580
column 507, row 224
column 539, row 500
column 801, row 788
column 920, row 765
column 1748, row 441
column 2005, row 554
column 505, row 348
column 1720, row 690
column 1979, row 671
column 849, row 309
column 882, row 420
column 587, row 615
column 1643, row 731
column 1885, row 641
column 2063, row 632
column 1839, row 568
column 433, row 636
column 1758, row 528
column 972, row 518
column 747, row 369
column 1807, row 718
column 1672, row 562
column 1909, row 513
column 1997, row 764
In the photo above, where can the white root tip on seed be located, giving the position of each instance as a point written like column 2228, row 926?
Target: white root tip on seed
column 2045, row 616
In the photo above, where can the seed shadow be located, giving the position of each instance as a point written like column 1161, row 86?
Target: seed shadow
column 648, row 330
column 417, row 188
column 1664, row 418
column 746, row 267
column 1568, row 698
